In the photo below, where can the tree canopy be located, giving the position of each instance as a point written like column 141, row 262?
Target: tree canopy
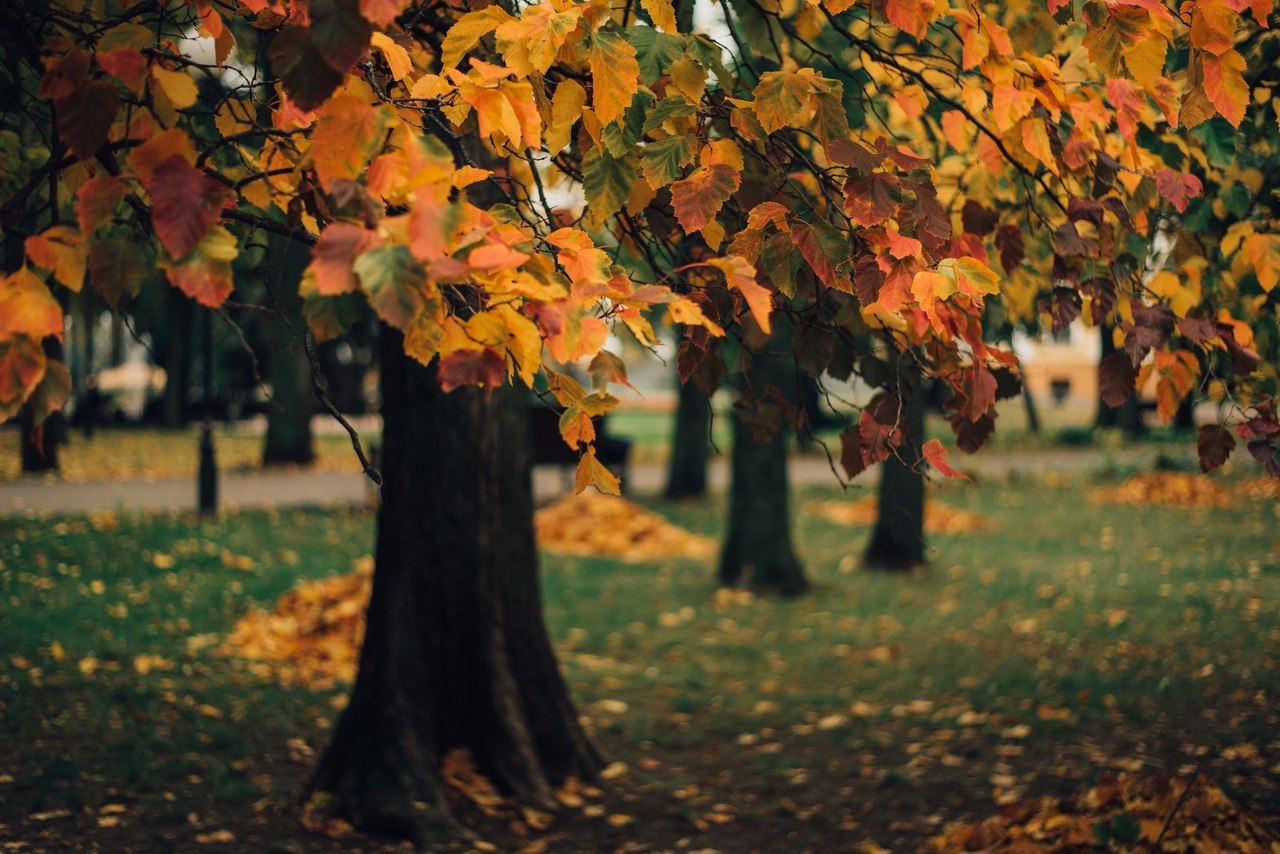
column 878, row 170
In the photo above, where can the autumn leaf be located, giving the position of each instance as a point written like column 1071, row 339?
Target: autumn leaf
column 186, row 203
column 483, row 367
column 1263, row 251
column 22, row 366
column 97, row 201
column 615, row 75
column 60, row 250
column 393, row 281
column 698, row 198
column 27, row 307
column 116, row 267
column 827, row 252
column 591, row 472
column 1225, row 86
column 935, row 455
column 741, row 276
column 85, row 117
column 204, row 273
column 334, row 255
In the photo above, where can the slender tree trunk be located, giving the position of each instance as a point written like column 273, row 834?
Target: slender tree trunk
column 288, row 439
column 691, row 444
column 1033, row 415
column 40, row 443
column 177, row 361
column 758, row 552
column 1128, row 416
column 897, row 541
column 456, row 654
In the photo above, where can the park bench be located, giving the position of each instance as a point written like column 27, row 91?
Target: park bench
column 549, row 447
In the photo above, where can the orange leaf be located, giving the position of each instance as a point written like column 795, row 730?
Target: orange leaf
column 59, row 249
column 615, row 75
column 935, row 455
column 27, row 307
column 591, row 472
column 334, row 255
column 741, row 276
column 698, row 198
column 1225, row 85
column 97, row 200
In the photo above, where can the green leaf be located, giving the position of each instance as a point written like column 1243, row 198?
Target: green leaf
column 1219, row 140
column 117, row 267
column 655, row 51
column 329, row 317
column 607, row 182
column 667, row 108
column 664, row 161
column 781, row 262
column 621, row 136
column 393, row 282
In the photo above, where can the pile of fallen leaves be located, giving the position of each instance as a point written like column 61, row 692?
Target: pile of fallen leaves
column 312, row 636
column 608, row 526
column 1178, row 813
column 1175, row 489
column 938, row 517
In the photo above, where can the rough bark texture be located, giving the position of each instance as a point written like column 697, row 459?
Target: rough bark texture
column 456, row 654
column 758, row 552
column 1128, row 416
column 691, row 444
column 288, row 440
column 897, row 541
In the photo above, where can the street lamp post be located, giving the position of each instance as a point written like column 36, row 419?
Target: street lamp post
column 208, row 479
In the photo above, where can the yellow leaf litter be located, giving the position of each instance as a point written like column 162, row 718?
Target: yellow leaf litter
column 1173, row 489
column 312, row 636
column 938, row 517
column 1121, row 810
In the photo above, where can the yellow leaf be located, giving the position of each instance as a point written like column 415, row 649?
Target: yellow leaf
column 566, row 109
column 397, row 57
column 1225, row 86
column 61, row 250
column 529, row 44
column 467, row 32
column 689, row 78
column 741, row 276
column 1145, row 59
column 662, row 13
column 1264, row 253
column 615, row 75
column 591, row 472
column 177, row 86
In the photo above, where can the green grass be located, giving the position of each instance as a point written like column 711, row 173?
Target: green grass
column 1069, row 639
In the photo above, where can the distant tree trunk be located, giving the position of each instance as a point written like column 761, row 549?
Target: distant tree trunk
column 456, row 653
column 40, row 443
column 690, row 444
column 757, row 551
column 1033, row 416
column 1185, row 418
column 897, row 541
column 177, row 361
column 1128, row 416
column 289, row 414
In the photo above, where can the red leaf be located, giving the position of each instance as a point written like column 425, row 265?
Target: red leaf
column 485, row 368
column 97, row 200
column 871, row 200
column 186, row 202
column 1009, row 242
column 827, row 252
column 85, row 117
column 1115, row 379
column 1178, row 187
column 935, row 455
column 698, row 198
column 1214, row 445
column 851, row 452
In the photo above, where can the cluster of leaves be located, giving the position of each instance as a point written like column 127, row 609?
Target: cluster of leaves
column 939, row 518
column 858, row 166
column 609, row 526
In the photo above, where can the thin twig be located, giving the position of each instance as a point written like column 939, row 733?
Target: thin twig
column 321, row 389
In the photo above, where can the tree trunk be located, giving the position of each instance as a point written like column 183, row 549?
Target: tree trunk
column 758, row 552
column 40, row 443
column 177, row 361
column 897, row 542
column 691, row 444
column 1033, row 415
column 289, row 414
column 456, row 654
column 1128, row 416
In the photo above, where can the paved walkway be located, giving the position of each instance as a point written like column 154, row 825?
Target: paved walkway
column 285, row 489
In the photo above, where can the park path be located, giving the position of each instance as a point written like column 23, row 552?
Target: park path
column 298, row 488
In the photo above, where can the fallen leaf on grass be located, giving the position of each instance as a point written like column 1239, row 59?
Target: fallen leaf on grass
column 1170, row 488
column 1121, row 810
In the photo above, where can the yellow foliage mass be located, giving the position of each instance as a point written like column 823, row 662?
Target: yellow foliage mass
column 608, row 526
column 1174, row 489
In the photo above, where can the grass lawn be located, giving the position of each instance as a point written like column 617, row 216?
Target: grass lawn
column 1069, row 640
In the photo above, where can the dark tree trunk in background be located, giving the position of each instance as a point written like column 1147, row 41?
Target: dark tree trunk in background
column 1185, row 418
column 758, row 553
column 1128, row 416
column 456, row 654
column 40, row 443
column 1033, row 415
column 177, row 361
column 897, row 541
column 289, row 413
column 690, row 443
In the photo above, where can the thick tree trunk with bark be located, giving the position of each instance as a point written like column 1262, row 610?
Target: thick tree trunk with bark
column 758, row 553
column 288, row 440
column 456, row 654
column 897, row 541
column 690, row 444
